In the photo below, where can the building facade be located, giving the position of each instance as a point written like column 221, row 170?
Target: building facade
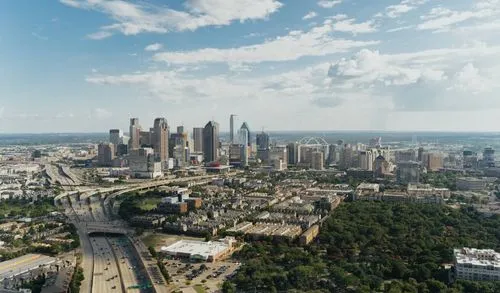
column 211, row 142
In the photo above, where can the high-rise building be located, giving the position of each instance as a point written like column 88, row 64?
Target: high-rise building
column 198, row 139
column 180, row 129
column 179, row 149
column 381, row 167
column 145, row 138
column 262, row 141
column 470, row 160
column 115, row 136
column 366, row 159
column 105, row 154
column 243, row 141
column 433, row 161
column 249, row 137
column 293, row 153
column 332, row 154
column 235, row 154
column 135, row 133
column 317, row 160
column 231, row 128
column 143, row 164
column 408, row 172
column 405, row 155
column 278, row 156
column 489, row 157
column 420, row 156
column 160, row 140
column 211, row 142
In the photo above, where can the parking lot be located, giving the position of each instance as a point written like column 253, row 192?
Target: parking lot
column 210, row 275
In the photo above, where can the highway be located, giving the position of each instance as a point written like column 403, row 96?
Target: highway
column 112, row 264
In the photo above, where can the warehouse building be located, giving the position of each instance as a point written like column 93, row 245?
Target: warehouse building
column 200, row 251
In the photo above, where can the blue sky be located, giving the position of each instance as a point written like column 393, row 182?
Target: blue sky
column 90, row 65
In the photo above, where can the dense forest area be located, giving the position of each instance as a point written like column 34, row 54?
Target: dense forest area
column 372, row 247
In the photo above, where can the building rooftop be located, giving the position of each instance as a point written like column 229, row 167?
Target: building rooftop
column 23, row 264
column 477, row 257
column 192, row 247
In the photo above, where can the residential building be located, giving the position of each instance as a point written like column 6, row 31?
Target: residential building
column 366, row 159
column 211, row 142
column 477, row 264
column 433, row 161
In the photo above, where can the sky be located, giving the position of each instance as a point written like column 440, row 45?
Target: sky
column 394, row 65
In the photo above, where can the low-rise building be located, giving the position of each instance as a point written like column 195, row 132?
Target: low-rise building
column 477, row 264
column 471, row 184
column 309, row 235
column 202, row 251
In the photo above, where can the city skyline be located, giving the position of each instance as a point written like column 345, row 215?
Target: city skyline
column 398, row 65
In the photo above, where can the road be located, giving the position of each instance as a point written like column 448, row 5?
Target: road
column 91, row 206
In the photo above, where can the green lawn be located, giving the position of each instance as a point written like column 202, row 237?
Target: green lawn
column 148, row 204
column 199, row 288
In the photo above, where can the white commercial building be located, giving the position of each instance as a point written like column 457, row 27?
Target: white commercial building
column 477, row 264
column 199, row 250
column 23, row 265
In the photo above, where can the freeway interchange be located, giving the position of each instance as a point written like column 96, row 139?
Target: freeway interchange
column 113, row 260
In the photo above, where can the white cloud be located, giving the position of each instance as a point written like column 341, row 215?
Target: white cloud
column 153, row 47
column 99, row 35
column 101, row 113
column 422, row 81
column 310, row 15
column 401, row 28
column 135, row 18
column 405, row 6
column 329, row 3
column 349, row 26
column 441, row 19
column 315, row 42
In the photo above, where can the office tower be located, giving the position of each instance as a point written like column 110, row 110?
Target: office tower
column 262, row 142
column 489, row 157
column 293, row 153
column 198, row 139
column 142, row 163
column 231, row 128
column 105, row 154
column 249, row 137
column 332, row 154
column 347, row 157
column 211, row 142
column 433, row 161
column 135, row 131
column 243, row 141
column 180, row 129
column 145, row 139
column 160, row 139
column 420, row 156
column 405, row 155
column 235, row 154
column 179, row 149
column 317, row 160
column 408, row 172
column 115, row 136
column 470, row 160
column 121, row 149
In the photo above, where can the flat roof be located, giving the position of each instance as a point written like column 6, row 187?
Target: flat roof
column 193, row 247
column 478, row 257
column 23, row 264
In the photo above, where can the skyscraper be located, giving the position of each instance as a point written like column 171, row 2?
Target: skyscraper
column 262, row 141
column 249, row 137
column 489, row 157
column 243, row 141
column 135, row 130
column 198, row 139
column 160, row 139
column 231, row 128
column 293, row 153
column 317, row 160
column 115, row 136
column 408, row 172
column 105, row 154
column 211, row 142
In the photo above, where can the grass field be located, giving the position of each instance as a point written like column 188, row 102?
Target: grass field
column 199, row 288
column 148, row 204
